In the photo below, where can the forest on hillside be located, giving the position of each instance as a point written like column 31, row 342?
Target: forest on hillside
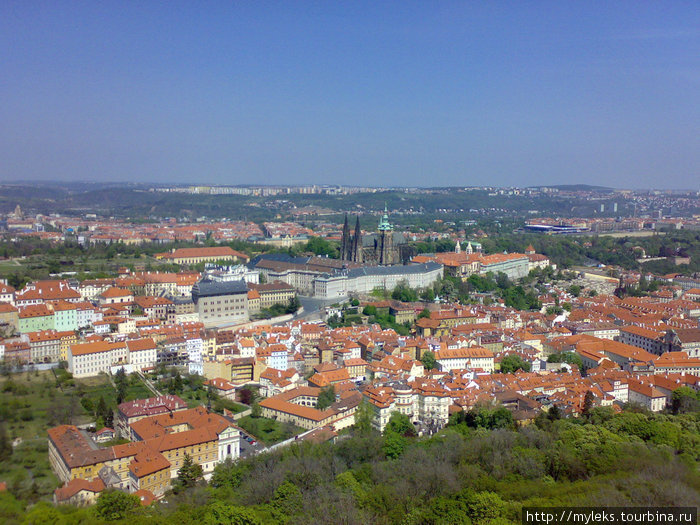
column 138, row 202
column 479, row 470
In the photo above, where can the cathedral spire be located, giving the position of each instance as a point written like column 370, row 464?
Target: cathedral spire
column 345, row 246
column 384, row 224
column 357, row 242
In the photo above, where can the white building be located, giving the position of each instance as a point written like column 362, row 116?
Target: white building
column 89, row 359
column 246, row 347
column 194, row 347
column 229, row 443
column 368, row 278
column 421, row 400
column 475, row 357
column 279, row 357
column 87, row 314
column 143, row 353
column 238, row 272
column 646, row 395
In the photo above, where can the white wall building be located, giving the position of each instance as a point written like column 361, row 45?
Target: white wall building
column 368, row 278
column 89, row 359
column 459, row 358
column 143, row 353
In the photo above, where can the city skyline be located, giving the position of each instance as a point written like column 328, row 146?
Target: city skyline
column 362, row 95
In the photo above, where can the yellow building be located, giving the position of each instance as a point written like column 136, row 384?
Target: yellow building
column 67, row 339
column 150, row 462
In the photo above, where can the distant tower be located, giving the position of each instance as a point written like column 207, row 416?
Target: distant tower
column 614, row 207
column 345, row 241
column 386, row 239
column 357, row 243
column 458, row 248
column 602, row 208
column 470, row 249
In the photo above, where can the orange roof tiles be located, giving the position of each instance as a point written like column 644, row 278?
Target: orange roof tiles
column 75, row 486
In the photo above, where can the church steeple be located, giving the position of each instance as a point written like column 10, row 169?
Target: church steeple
column 384, row 224
column 345, row 246
column 357, row 242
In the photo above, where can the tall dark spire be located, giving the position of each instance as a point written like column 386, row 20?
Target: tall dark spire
column 357, row 242
column 345, row 241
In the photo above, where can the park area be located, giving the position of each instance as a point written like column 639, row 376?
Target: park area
column 191, row 388
column 33, row 401
column 269, row 431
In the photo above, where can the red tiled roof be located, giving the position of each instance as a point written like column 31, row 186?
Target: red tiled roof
column 77, row 485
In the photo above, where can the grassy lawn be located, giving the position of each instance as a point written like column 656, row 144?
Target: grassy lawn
column 191, row 388
column 198, row 397
column 30, row 404
column 10, row 266
column 234, row 407
column 137, row 389
column 269, row 431
column 102, row 264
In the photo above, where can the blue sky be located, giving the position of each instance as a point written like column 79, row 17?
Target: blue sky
column 364, row 93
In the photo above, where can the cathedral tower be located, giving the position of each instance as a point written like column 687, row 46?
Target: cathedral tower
column 386, row 240
column 345, row 241
column 357, row 242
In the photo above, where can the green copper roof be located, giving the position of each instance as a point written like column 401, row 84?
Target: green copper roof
column 385, row 225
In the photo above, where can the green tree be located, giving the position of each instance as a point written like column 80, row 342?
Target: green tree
column 104, row 413
column 122, row 384
column 574, row 290
column 228, row 473
column 326, row 397
column 189, row 474
column 566, row 357
column 115, row 505
column 220, row 513
column 321, row 246
column 255, row 410
column 287, row 499
column 554, row 413
column 428, row 294
column 428, row 360
column 400, row 424
column 11, row 509
column 588, row 400
column 425, row 313
column 684, row 400
column 176, row 385
column 5, row 444
column 512, row 363
column 404, row 293
column 482, row 507
column 440, row 511
column 363, row 417
column 484, row 417
column 394, row 445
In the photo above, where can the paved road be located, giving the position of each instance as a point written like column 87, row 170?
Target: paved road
column 312, row 307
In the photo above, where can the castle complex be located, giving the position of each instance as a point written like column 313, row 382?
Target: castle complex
column 382, row 252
